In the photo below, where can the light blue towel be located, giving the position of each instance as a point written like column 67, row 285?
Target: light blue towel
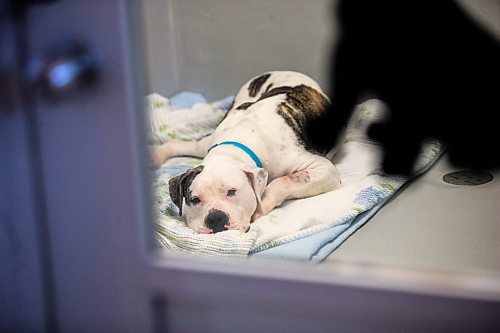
column 186, row 100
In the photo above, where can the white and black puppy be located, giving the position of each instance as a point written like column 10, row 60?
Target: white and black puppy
column 257, row 157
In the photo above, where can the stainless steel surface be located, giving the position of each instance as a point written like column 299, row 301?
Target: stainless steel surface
column 432, row 225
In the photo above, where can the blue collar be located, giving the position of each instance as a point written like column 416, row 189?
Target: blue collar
column 247, row 150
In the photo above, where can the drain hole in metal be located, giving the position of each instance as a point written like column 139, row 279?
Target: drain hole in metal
column 468, row 177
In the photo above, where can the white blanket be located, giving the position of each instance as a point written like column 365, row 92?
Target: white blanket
column 364, row 187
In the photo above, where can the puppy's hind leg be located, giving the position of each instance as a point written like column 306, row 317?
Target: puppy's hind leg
column 159, row 154
column 318, row 177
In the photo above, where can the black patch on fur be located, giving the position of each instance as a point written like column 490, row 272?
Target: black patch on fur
column 256, row 84
column 179, row 187
column 244, row 106
column 302, row 105
column 267, row 94
column 276, row 91
column 269, row 87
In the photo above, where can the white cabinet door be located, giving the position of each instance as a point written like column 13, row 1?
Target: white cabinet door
column 82, row 217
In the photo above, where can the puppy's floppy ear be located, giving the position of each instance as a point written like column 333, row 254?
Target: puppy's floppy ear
column 258, row 179
column 179, row 186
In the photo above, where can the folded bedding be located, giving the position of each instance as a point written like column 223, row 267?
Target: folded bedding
column 308, row 229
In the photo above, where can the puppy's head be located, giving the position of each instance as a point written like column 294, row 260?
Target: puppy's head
column 219, row 198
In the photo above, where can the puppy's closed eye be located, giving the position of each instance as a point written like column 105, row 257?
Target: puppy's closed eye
column 195, row 200
column 231, row 192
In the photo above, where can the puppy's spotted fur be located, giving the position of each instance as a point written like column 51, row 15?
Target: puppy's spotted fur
column 229, row 191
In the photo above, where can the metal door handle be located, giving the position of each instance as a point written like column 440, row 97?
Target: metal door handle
column 65, row 71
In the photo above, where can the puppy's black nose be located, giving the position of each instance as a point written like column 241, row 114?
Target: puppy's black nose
column 216, row 220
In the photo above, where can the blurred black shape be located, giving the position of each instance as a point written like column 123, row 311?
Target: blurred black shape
column 434, row 67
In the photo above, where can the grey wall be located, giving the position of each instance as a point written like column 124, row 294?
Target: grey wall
column 214, row 46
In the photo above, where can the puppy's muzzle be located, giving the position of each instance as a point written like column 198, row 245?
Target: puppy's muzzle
column 216, row 220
